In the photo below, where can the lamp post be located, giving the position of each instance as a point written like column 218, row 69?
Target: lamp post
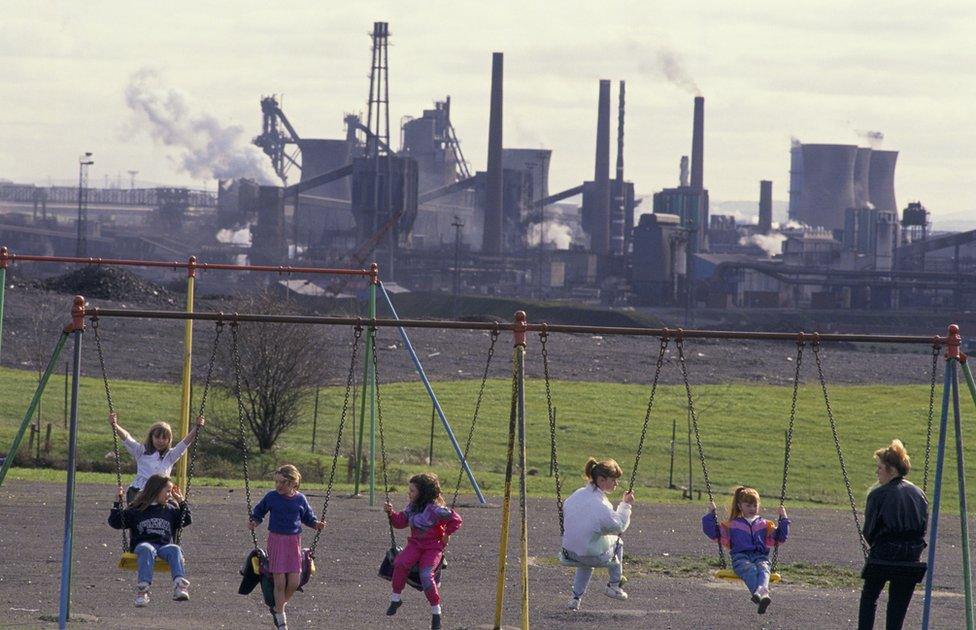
column 84, row 162
column 458, row 224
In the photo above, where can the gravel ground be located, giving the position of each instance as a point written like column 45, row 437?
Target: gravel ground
column 345, row 593
column 145, row 350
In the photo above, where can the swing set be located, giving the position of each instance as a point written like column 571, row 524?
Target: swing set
column 950, row 344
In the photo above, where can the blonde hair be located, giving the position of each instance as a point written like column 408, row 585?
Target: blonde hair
column 290, row 473
column 895, row 456
column 607, row 468
column 158, row 428
column 744, row 494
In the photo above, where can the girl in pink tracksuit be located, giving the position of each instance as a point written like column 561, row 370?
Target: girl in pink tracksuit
column 431, row 524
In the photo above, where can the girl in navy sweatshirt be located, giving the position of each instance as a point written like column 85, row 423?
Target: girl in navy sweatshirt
column 152, row 519
column 289, row 509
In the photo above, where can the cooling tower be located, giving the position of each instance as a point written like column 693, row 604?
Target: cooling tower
column 862, row 169
column 881, row 181
column 822, row 184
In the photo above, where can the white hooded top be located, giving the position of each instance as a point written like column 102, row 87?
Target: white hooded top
column 591, row 524
column 151, row 464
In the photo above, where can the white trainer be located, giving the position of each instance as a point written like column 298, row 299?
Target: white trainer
column 615, row 592
column 180, row 593
column 574, row 603
column 142, row 595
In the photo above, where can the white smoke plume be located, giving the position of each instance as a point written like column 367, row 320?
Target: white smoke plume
column 669, row 64
column 873, row 138
column 772, row 244
column 238, row 236
column 204, row 148
column 795, row 142
column 557, row 234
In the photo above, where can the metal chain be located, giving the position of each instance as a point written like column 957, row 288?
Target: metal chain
column 840, row 454
column 193, row 448
column 789, row 441
column 115, row 436
column 647, row 414
column 936, row 350
column 379, row 421
column 694, row 423
column 236, row 356
column 474, row 419
column 350, row 377
column 553, row 452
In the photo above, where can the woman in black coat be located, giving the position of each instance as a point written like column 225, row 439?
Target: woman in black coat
column 894, row 526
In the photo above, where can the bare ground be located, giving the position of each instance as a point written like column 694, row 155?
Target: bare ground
column 345, row 593
column 146, row 350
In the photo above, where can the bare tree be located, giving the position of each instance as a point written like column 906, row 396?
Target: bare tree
column 280, row 366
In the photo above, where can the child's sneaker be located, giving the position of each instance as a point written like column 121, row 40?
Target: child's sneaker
column 435, row 622
column 142, row 594
column 394, row 606
column 615, row 592
column 574, row 603
column 180, row 593
column 764, row 602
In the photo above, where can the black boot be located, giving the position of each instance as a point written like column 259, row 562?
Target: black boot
column 393, row 608
column 435, row 622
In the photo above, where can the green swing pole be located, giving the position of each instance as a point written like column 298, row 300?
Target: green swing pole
column 367, row 363
column 51, row 364
column 3, row 286
column 963, row 512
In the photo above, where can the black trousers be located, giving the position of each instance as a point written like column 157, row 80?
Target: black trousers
column 899, row 597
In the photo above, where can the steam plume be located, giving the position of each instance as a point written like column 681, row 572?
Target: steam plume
column 873, row 138
column 669, row 64
column 204, row 147
column 772, row 244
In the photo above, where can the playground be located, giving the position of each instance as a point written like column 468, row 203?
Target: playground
column 546, row 415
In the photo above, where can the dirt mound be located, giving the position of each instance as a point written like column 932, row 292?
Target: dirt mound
column 107, row 283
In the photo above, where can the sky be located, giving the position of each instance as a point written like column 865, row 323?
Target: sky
column 87, row 76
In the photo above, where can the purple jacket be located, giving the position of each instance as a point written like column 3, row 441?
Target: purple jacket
column 738, row 536
column 430, row 527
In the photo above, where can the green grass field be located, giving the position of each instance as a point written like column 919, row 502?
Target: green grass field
column 742, row 432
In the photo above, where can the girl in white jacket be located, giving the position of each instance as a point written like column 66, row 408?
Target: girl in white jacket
column 591, row 536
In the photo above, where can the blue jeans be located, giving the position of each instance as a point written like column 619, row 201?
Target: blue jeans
column 613, row 563
column 146, row 556
column 753, row 568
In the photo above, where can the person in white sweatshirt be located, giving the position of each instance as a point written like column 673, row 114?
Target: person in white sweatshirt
column 592, row 529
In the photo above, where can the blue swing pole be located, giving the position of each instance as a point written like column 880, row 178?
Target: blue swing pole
column 433, row 398
column 76, row 328
column 963, row 511
column 948, row 384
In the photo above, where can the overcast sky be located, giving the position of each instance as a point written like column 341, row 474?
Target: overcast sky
column 769, row 71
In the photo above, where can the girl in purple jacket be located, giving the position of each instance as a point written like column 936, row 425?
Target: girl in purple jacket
column 748, row 537
column 431, row 524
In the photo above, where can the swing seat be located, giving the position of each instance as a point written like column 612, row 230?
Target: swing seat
column 566, row 561
column 729, row 574
column 129, row 562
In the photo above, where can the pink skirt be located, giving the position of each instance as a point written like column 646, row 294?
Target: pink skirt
column 284, row 553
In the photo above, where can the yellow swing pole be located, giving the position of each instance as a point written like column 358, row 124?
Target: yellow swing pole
column 191, row 273
column 523, row 520
column 507, row 499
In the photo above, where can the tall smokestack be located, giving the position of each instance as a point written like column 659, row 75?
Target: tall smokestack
column 618, row 212
column 492, row 239
column 698, row 146
column 600, row 237
column 765, row 206
column 683, row 171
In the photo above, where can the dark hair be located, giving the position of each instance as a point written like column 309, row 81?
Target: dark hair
column 428, row 490
column 149, row 492
column 895, row 456
column 608, row 468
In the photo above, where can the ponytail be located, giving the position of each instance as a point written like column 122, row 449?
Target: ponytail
column 744, row 494
column 895, row 456
column 607, row 468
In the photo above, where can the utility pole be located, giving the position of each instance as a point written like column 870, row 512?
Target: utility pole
column 458, row 224
column 84, row 162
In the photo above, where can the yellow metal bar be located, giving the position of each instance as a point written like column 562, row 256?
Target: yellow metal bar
column 524, row 534
column 187, row 373
column 506, row 501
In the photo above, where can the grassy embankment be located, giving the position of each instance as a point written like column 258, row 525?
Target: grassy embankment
column 742, row 430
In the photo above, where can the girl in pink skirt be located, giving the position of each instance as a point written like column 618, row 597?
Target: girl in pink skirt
column 289, row 509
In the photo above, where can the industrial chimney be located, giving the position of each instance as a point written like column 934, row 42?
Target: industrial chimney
column 698, row 146
column 765, row 206
column 492, row 239
column 600, row 236
column 683, row 172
